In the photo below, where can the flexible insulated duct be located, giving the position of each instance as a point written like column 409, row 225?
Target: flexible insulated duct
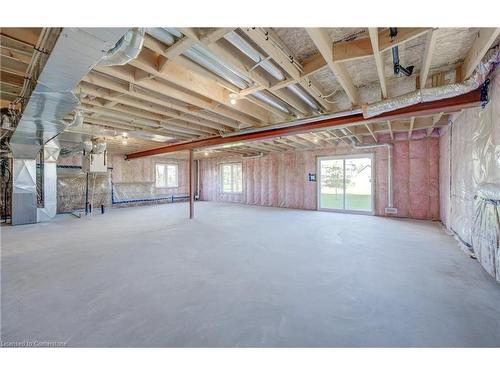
column 297, row 90
column 249, row 51
column 126, row 49
column 435, row 93
column 77, row 120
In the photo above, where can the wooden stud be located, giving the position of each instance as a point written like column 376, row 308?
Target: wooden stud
column 410, row 131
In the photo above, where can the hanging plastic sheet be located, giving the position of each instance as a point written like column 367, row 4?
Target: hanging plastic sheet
column 71, row 189
column 140, row 193
column 486, row 228
column 470, row 167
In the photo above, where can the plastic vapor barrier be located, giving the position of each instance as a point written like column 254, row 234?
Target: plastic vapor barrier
column 470, row 177
column 71, row 186
column 139, row 193
column 486, row 228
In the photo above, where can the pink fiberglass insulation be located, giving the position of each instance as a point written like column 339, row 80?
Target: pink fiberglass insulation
column 281, row 179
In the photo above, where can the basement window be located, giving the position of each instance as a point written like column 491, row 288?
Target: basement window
column 167, row 175
column 231, row 178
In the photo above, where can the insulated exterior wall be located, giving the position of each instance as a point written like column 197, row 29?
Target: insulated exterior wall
column 135, row 179
column 470, row 156
column 281, row 179
column 470, row 179
column 71, row 186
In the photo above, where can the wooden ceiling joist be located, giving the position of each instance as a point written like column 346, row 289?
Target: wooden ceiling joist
column 428, row 53
column 484, row 39
column 133, row 115
column 185, row 78
column 170, row 91
column 271, row 46
column 323, row 42
column 155, row 105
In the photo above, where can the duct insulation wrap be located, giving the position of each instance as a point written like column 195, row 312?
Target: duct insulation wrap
column 486, row 228
column 435, row 93
column 126, row 49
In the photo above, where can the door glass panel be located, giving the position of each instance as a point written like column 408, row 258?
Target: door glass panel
column 358, row 185
column 332, row 184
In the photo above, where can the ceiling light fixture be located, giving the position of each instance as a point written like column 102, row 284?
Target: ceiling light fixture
column 233, row 96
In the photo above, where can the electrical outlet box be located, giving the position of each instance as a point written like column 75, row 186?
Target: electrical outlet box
column 391, row 210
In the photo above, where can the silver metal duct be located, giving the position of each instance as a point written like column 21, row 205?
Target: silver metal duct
column 76, row 51
column 434, row 93
column 77, row 120
column 253, row 54
column 203, row 57
column 297, row 90
column 210, row 61
column 126, row 49
column 271, row 101
column 24, row 191
column 50, row 154
column 162, row 35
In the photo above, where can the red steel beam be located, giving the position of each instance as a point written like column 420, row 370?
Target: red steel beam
column 471, row 99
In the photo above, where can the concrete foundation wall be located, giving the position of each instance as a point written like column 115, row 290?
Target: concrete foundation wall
column 281, row 179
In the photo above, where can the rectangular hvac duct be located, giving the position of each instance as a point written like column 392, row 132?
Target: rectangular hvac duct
column 75, row 53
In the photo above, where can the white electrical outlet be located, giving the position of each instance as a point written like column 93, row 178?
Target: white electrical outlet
column 391, row 210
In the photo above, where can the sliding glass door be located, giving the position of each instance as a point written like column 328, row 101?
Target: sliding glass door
column 345, row 183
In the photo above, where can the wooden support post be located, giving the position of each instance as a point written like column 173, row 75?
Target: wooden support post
column 191, row 182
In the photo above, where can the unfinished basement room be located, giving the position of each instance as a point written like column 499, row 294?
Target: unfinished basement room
column 250, row 187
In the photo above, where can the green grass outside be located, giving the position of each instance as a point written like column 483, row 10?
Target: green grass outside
column 352, row 201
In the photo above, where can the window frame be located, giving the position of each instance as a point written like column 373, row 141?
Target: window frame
column 221, row 178
column 176, row 165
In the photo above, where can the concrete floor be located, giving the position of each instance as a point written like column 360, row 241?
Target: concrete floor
column 240, row 276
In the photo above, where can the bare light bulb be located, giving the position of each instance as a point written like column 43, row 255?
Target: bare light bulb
column 124, row 142
column 233, row 101
column 125, row 134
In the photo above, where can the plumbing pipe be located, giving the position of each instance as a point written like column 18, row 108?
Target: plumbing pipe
column 389, row 166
